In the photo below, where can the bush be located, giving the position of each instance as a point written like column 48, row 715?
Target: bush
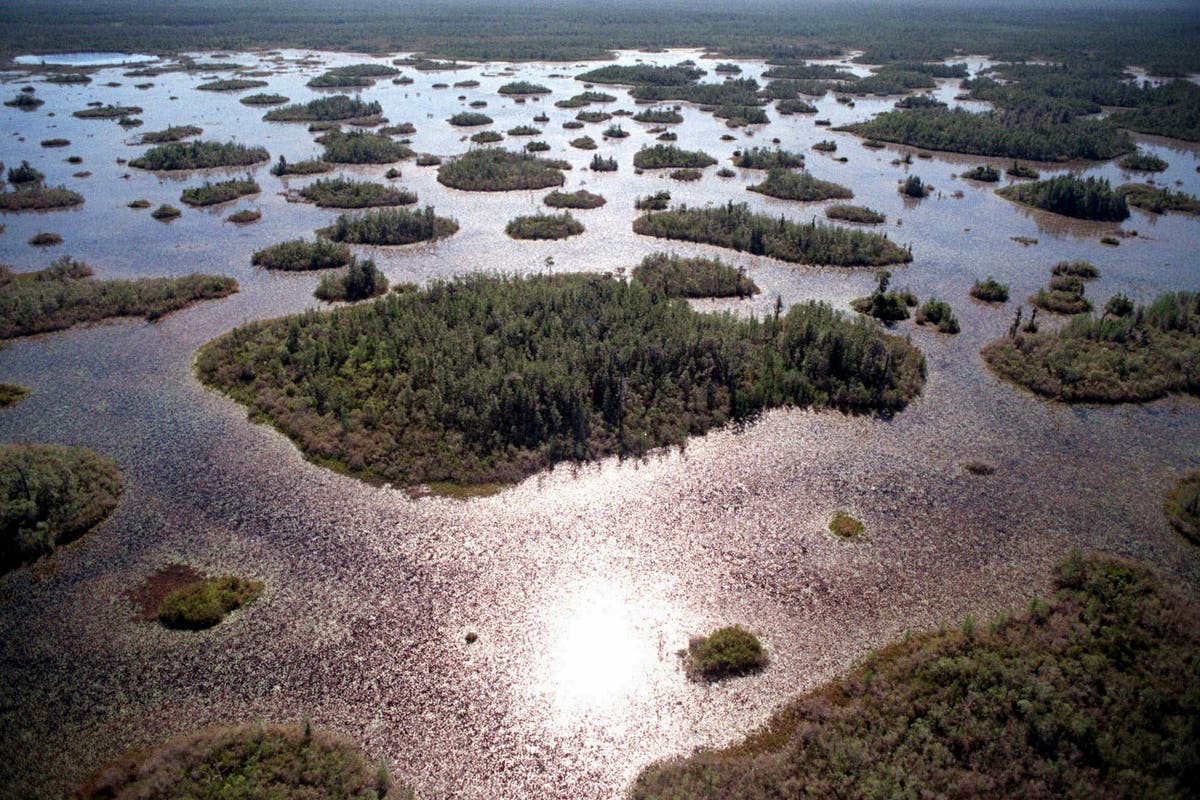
column 914, row 187
column 1078, row 268
column 10, row 394
column 1157, row 200
column 787, row 184
column 332, row 80
column 56, row 142
column 25, row 102
column 601, row 164
column 222, row 192
column 659, row 116
column 36, row 197
column 497, row 170
column 578, row 199
column 725, row 653
column 544, row 226
column 107, row 112
column 50, row 495
column 523, row 87
column 244, row 216
column 791, row 106
column 984, row 173
column 24, row 174
column 861, row 214
column 360, row 147
column 662, row 156
column 205, row 603
column 584, row 143
column 990, row 290
column 301, row 255
column 312, row 166
column 825, row 146
column 885, row 305
column 344, row 193
column 685, row 175
column 166, row 212
column 487, row 137
column 263, row 99
column 677, row 276
column 845, row 526
column 45, row 239
column 174, row 133
column 360, row 281
column 176, row 156
column 937, row 312
column 523, row 130
column 1022, row 171
column 593, row 116
column 653, row 202
column 390, row 226
column 466, row 119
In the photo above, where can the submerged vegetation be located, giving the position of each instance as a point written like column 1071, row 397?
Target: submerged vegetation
column 63, row 295
column 735, row 226
column 1091, row 693
column 1072, row 196
column 50, row 495
column 176, row 156
column 498, row 170
column 487, row 379
column 1135, row 357
column 680, row 276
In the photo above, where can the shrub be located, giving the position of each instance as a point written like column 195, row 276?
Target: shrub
column 205, row 603
column 244, row 216
column 659, row 116
column 344, row 193
column 685, row 175
column 175, row 156
column 584, row 143
column 36, row 197
column 25, row 102
column 360, row 281
column 107, row 112
column 495, row 170
column 56, row 142
column 662, row 156
column 166, row 212
column 301, row 255
column 523, row 87
column 787, row 184
column 1072, row 196
column 10, row 394
column 653, row 202
column 847, row 213
column 231, row 85
column 360, row 147
column 725, row 653
column 1143, row 162
column 1182, row 506
column 390, row 226
column 937, row 312
column 845, row 526
column 466, row 119
column 990, row 290
column 1078, row 268
column 762, row 158
column 914, row 187
column 328, row 109
column 578, row 199
column 487, row 137
column 544, row 226
column 45, row 239
column 984, row 173
column 825, row 146
column 24, row 174
column 210, row 194
column 263, row 99
column 1157, row 200
column 523, row 130
column 677, row 276
column 601, row 164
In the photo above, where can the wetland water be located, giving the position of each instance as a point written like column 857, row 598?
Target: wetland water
column 583, row 582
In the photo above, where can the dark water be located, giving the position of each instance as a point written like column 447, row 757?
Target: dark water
column 581, row 583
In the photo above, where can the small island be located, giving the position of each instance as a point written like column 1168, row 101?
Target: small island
column 345, row 193
column 390, row 226
column 211, row 194
column 499, row 170
column 544, row 226
column 298, row 255
column 790, row 184
column 179, row 156
column 1083, row 198
column 680, row 276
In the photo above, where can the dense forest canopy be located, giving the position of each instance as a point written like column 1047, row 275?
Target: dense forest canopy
column 1160, row 37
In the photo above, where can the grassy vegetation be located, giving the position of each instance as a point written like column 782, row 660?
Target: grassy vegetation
column 174, row 133
column 325, row 109
column 175, row 156
column 581, row 198
column 736, row 227
column 312, row 166
column 36, row 197
column 487, row 137
column 497, row 170
column 1109, row 359
column 678, row 276
column 788, row 184
column 1157, row 200
column 765, row 158
column 845, row 526
column 359, row 281
column 1072, row 196
column 990, row 290
column 210, row 194
column 205, row 603
column 544, row 226
column 1006, row 134
column 860, row 214
column 360, row 147
column 263, row 99
column 390, row 226
column 937, row 312
column 490, row 379
column 725, row 653
column 345, row 193
column 885, row 305
column 107, row 112
column 63, row 295
column 299, row 255
column 1182, row 506
column 467, row 119
column 11, row 394
column 1089, row 695
column 1064, row 295
column 253, row 761
column 668, row 156
column 50, row 495
column 231, row 85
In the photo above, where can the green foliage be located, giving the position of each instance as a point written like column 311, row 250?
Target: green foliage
column 1072, row 196
column 332, row 80
column 885, row 305
column 490, row 379
column 497, row 170
column 1143, row 162
column 792, row 106
column 345, row 193
column 937, row 312
column 1135, row 358
column 327, row 109
column 301, row 255
column 1022, row 171
column 685, row 174
column 659, row 116
column 11, row 394
column 56, row 142
column 1170, row 110
column 1091, row 695
column 205, row 603
column 662, row 156
column 360, row 147
column 50, row 495
column 1119, row 305
column 45, row 239
column 312, row 166
column 24, row 174
column 1182, row 506
column 653, row 202
column 487, row 137
column 763, row 158
column 107, row 112
column 984, row 172
column 577, row 199
column 166, row 212
column 231, row 85
column 359, row 281
column 738, row 116
column 210, row 193
column 585, row 98
column 584, row 143
column 919, row 101
column 642, row 75
column 36, row 197
column 849, row 213
column 1065, row 292
column 523, row 130
column 1158, row 200
column 788, row 184
column 990, row 290
column 736, row 227
column 544, row 226
column 740, row 92
column 725, row 653
column 25, row 102
column 365, row 70
column 523, row 87
column 253, row 761
column 466, row 119
column 390, row 226
column 1079, row 268
column 174, row 133
column 62, row 295
column 679, row 276
column 601, row 164
column 913, row 186
column 244, row 216
column 824, row 72
column 593, row 116
column 1039, row 136
column 199, row 155
column 845, row 526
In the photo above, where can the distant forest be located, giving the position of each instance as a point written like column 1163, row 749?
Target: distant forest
column 1161, row 38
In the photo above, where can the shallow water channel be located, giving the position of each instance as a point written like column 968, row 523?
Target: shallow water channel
column 582, row 583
